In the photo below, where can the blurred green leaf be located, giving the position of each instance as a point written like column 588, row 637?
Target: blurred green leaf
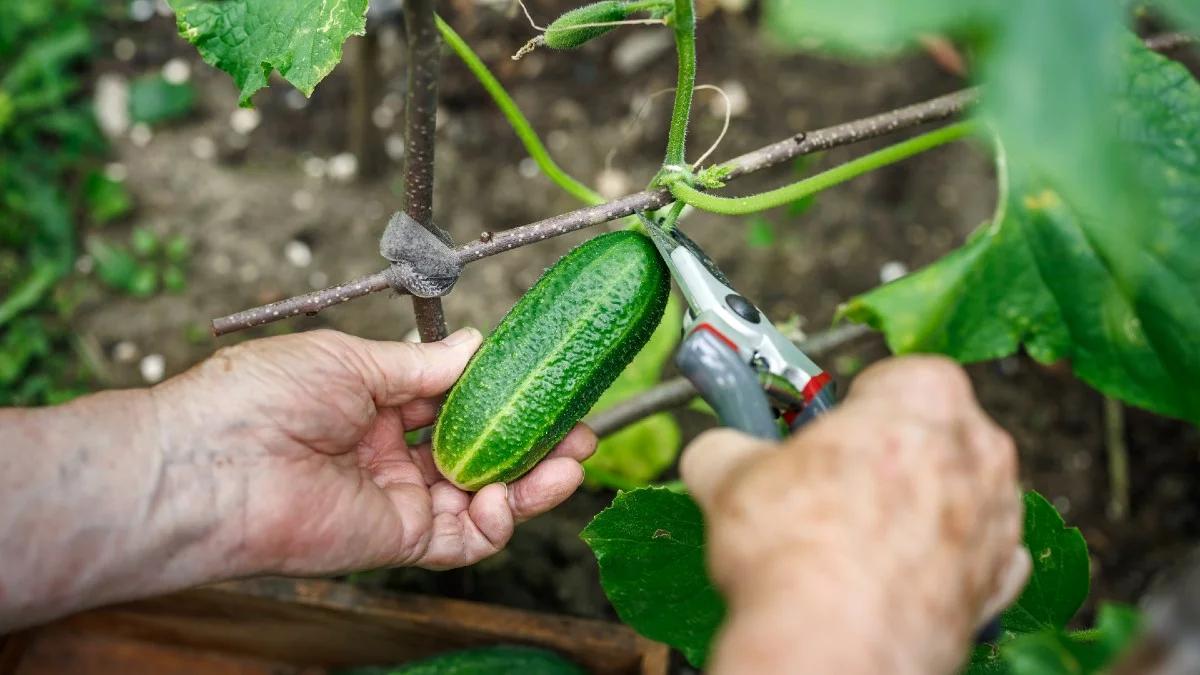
column 177, row 249
column 153, row 100
column 251, row 38
column 174, row 279
column 802, row 205
column 23, row 341
column 1086, row 272
column 143, row 242
column 107, row 199
column 1056, row 652
column 116, row 266
column 760, row 233
column 1186, row 12
column 640, row 452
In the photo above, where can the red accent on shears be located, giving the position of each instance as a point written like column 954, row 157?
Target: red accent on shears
column 790, row 417
column 814, row 386
column 714, row 331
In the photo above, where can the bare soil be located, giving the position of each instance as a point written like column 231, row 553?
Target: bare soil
column 243, row 207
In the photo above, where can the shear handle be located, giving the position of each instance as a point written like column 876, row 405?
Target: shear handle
column 727, row 384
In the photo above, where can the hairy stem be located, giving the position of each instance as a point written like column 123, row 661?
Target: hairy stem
column 736, row 206
column 684, row 23
column 420, row 123
column 516, row 119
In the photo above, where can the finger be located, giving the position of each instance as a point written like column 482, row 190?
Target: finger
column 422, row 456
column 710, row 460
column 578, row 445
column 546, row 486
column 474, row 533
column 930, row 387
column 447, row 498
column 399, row 372
column 1011, row 582
column 420, row 412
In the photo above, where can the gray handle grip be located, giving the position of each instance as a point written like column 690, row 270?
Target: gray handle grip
column 727, row 384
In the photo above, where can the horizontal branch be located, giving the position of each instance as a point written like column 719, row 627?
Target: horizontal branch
column 933, row 110
column 679, row 391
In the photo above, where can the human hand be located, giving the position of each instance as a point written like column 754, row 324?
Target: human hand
column 877, row 540
column 302, row 438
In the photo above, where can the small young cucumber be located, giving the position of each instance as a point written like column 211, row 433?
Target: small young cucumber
column 577, row 26
column 551, row 357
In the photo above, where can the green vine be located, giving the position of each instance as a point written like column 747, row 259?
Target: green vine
column 520, row 124
column 736, row 206
column 683, row 20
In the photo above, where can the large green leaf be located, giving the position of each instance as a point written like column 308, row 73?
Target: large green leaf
column 650, row 546
column 1186, row 12
column 640, row 452
column 1107, row 278
column 249, row 39
column 1060, row 579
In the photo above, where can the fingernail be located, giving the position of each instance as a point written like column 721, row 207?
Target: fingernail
column 461, row 336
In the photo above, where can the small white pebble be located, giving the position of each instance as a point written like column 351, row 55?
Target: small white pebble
column 204, row 147
column 124, row 49
column 297, row 253
column 528, row 168
column 116, row 171
column 125, row 352
column 303, row 200
column 558, row 140
column 141, row 135
column 383, row 116
column 343, row 167
column 315, row 167
column 318, row 279
column 244, row 120
column 1062, row 504
column 394, row 146
column 141, row 10
column 739, row 100
column 176, row 71
column 613, row 183
column 153, row 367
column 295, row 100
column 248, row 273
column 412, row 336
column 221, row 264
column 891, row 271
column 84, row 264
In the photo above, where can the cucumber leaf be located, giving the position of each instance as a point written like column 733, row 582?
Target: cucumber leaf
column 650, row 546
column 1106, row 278
column 1061, row 571
column 249, row 39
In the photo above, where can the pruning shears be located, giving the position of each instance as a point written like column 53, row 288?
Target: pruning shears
column 739, row 362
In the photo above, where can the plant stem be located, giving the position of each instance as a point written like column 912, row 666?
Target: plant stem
column 1118, row 459
column 516, row 119
column 684, row 23
column 736, row 206
column 420, row 122
column 765, row 157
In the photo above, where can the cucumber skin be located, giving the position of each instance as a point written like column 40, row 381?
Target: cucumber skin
column 550, row 359
column 560, row 34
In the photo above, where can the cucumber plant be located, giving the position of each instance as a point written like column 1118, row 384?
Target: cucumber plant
column 1090, row 257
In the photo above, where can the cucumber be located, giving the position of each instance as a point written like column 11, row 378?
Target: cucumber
column 481, row 661
column 562, row 33
column 550, row 358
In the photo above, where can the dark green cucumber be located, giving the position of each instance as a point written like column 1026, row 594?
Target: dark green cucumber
column 481, row 661
column 577, row 26
column 550, row 358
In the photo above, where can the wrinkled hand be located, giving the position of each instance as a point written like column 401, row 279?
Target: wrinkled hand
column 309, row 429
column 877, row 540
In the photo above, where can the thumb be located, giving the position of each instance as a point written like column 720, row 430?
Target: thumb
column 399, row 372
column 710, row 461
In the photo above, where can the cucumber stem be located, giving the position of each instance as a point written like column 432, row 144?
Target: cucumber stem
column 736, row 206
column 516, row 119
column 684, row 23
